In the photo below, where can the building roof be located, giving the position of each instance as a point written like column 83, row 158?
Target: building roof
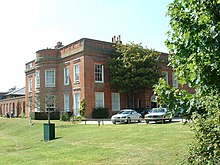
column 19, row 92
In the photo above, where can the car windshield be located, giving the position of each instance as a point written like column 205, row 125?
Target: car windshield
column 124, row 112
column 156, row 110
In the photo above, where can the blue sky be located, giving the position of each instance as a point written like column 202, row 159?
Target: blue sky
column 31, row 25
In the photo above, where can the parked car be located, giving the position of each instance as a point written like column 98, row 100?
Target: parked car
column 126, row 116
column 158, row 114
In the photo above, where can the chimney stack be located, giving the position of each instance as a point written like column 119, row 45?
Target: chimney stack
column 116, row 40
column 59, row 45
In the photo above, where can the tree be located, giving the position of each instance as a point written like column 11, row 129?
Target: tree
column 45, row 102
column 193, row 42
column 133, row 67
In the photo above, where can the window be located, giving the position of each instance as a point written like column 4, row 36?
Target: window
column 30, row 84
column 175, row 81
column 99, row 73
column 50, row 78
column 76, row 73
column 37, row 103
column 37, row 79
column 165, row 76
column 30, row 65
column 99, row 99
column 66, row 102
column 50, row 103
column 76, row 104
column 30, row 105
column 115, row 101
column 66, row 76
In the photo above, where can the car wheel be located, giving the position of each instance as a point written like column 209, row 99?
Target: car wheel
column 128, row 120
column 139, row 120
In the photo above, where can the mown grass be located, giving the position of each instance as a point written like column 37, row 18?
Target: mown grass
column 135, row 144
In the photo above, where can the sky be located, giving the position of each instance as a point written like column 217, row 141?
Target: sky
column 31, row 25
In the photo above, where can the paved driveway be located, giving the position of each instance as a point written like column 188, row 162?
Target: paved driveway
column 103, row 122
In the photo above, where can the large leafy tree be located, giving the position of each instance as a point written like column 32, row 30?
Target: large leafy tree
column 194, row 43
column 133, row 67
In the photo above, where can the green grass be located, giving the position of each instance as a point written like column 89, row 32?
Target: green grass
column 135, row 144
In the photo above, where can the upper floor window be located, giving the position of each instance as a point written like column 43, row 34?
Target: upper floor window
column 30, row 84
column 30, row 66
column 50, row 78
column 66, row 76
column 175, row 81
column 99, row 73
column 165, row 74
column 37, row 79
column 76, row 73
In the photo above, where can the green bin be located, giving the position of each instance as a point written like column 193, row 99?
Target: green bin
column 49, row 131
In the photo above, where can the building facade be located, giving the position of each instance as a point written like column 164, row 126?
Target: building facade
column 60, row 78
column 13, row 103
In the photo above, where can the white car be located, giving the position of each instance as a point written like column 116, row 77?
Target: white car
column 126, row 116
column 158, row 114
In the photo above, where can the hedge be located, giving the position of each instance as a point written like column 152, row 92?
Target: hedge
column 44, row 116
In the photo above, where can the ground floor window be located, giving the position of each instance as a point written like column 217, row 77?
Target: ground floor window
column 76, row 104
column 115, row 101
column 50, row 103
column 66, row 102
column 37, row 103
column 99, row 99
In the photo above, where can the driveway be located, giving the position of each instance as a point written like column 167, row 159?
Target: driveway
column 108, row 121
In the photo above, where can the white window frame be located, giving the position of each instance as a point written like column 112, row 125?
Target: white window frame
column 175, row 81
column 50, row 84
column 37, row 103
column 76, row 73
column 76, row 105
column 37, row 79
column 47, row 102
column 30, row 84
column 115, row 101
column 99, row 99
column 166, row 76
column 66, row 76
column 99, row 78
column 66, row 102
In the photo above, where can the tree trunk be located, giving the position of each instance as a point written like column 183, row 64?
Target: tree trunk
column 130, row 99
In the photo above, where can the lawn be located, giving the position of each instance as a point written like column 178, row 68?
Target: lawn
column 135, row 144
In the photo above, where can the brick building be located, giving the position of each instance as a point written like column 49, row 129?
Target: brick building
column 60, row 78
column 13, row 103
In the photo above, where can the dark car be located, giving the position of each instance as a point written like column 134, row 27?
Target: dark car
column 143, row 112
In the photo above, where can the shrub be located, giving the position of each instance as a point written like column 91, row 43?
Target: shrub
column 206, row 148
column 43, row 115
column 66, row 116
column 22, row 115
column 82, row 108
column 100, row 113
